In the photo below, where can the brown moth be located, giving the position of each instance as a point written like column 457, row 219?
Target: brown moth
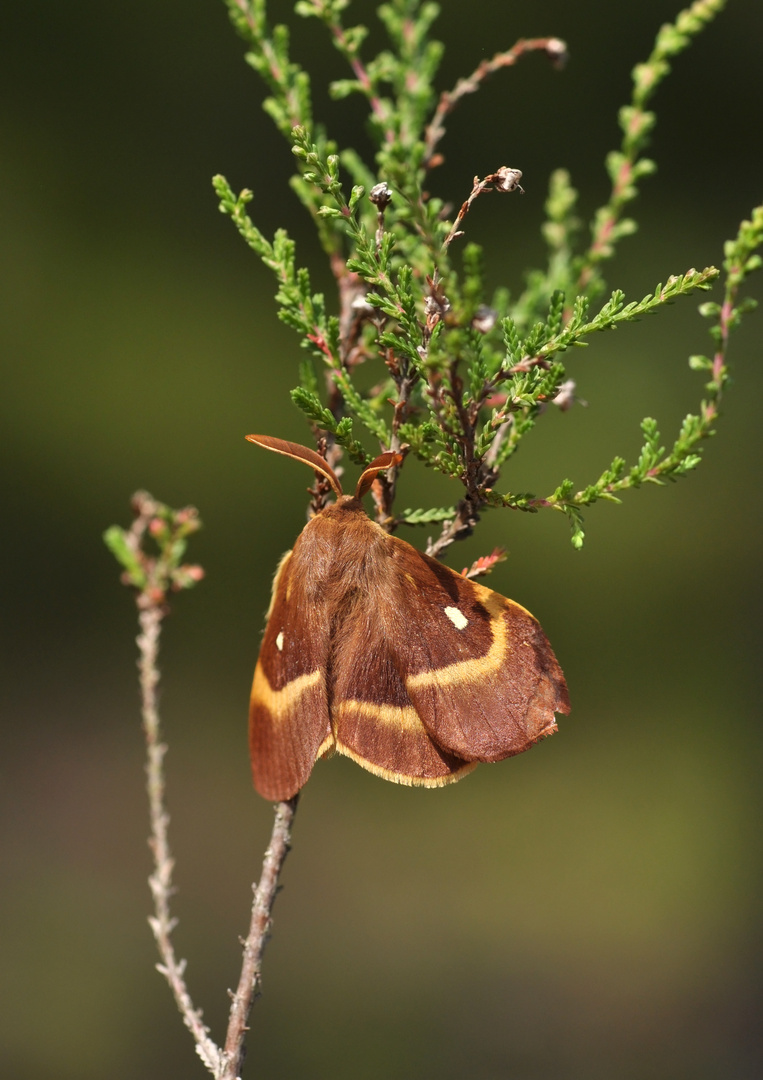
column 379, row 652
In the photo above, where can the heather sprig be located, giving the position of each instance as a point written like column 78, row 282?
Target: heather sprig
column 461, row 377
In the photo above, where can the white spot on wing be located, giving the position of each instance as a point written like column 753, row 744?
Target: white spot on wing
column 457, row 617
column 279, row 642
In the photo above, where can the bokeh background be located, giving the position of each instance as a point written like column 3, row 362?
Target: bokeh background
column 588, row 910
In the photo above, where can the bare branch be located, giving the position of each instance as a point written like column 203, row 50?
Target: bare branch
column 554, row 48
column 152, row 577
column 254, row 946
column 504, row 180
column 162, row 924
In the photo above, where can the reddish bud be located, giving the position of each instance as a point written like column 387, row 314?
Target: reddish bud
column 485, row 563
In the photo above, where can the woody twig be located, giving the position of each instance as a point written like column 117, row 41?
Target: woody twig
column 504, row 180
column 555, row 49
column 153, row 575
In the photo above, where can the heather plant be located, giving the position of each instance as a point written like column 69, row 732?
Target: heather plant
column 413, row 354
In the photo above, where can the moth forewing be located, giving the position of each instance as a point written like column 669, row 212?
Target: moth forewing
column 288, row 712
column 477, row 667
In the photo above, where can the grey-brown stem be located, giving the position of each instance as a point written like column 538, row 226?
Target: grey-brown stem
column 223, row 1064
column 162, row 924
column 254, row 946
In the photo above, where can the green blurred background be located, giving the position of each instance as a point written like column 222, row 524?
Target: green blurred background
column 589, row 910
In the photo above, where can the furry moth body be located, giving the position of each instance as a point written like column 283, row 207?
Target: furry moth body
column 374, row 650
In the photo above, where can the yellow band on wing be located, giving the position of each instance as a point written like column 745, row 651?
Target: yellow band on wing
column 403, row 717
column 476, row 669
column 280, row 703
